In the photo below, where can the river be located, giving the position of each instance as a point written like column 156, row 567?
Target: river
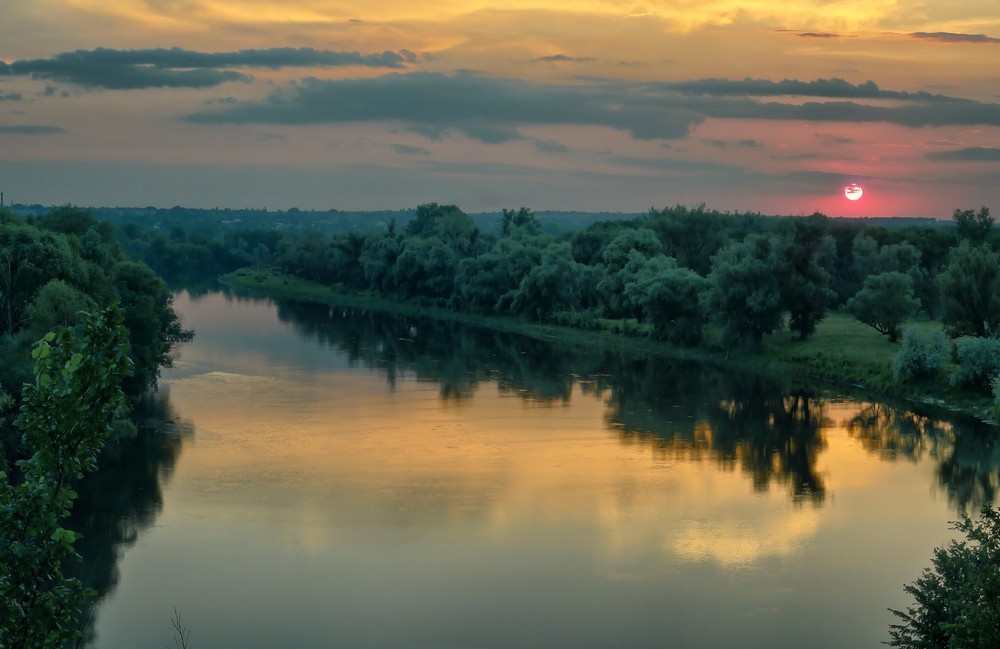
column 318, row 477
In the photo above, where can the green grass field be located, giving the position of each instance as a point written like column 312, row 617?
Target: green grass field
column 842, row 351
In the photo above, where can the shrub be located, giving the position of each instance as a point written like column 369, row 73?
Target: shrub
column 922, row 355
column 978, row 360
column 957, row 601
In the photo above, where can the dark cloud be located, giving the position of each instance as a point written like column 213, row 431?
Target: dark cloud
column 178, row 68
column 493, row 109
column 826, row 88
column 406, row 149
column 483, row 108
column 562, row 58
column 550, row 146
column 950, row 37
column 10, row 96
column 30, row 129
column 971, row 154
column 817, row 35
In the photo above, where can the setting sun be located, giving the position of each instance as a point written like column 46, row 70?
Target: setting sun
column 853, row 192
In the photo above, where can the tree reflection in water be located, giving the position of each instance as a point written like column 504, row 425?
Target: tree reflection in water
column 125, row 495
column 966, row 452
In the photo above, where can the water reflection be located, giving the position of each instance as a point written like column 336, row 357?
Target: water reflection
column 122, row 499
column 767, row 428
column 966, row 452
column 397, row 481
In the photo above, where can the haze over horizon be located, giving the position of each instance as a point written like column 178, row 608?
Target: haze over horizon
column 597, row 105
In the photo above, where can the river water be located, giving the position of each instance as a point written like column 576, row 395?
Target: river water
column 326, row 477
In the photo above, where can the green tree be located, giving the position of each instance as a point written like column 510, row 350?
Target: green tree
column 523, row 219
column 154, row 329
column 970, row 289
column 885, row 302
column 972, row 225
column 956, row 600
column 65, row 416
column 29, row 259
column 744, row 292
column 622, row 258
column 669, row 297
column 486, row 283
column 57, row 304
column 805, row 287
column 552, row 285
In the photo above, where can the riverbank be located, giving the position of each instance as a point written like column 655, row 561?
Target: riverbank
column 842, row 351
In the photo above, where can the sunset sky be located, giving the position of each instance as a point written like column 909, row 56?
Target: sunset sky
column 597, row 105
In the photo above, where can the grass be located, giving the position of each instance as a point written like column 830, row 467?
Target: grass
column 842, row 351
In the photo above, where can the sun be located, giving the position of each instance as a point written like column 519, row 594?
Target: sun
column 853, row 192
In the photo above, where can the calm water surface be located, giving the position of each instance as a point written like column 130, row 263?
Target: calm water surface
column 332, row 478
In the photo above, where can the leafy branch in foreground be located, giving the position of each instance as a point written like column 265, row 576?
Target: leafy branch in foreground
column 957, row 601
column 66, row 415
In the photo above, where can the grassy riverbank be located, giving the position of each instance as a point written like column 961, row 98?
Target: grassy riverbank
column 842, row 351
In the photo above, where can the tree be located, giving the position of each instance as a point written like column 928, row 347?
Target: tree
column 552, row 285
column 523, row 218
column 972, row 225
column 154, row 329
column 957, row 600
column 805, row 286
column 885, row 302
column 970, row 288
column 745, row 289
column 29, row 259
column 66, row 416
column 669, row 298
column 622, row 257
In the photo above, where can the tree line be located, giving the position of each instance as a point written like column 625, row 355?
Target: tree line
column 675, row 270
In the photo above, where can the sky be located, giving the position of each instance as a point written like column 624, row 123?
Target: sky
column 593, row 105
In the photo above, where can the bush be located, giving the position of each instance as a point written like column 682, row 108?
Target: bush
column 922, row 355
column 958, row 598
column 978, row 360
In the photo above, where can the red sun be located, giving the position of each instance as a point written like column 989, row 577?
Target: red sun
column 853, row 192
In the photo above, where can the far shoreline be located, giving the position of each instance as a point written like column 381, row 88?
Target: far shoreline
column 842, row 352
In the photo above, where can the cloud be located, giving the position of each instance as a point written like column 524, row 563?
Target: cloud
column 406, row 149
column 950, row 37
column 971, row 154
column 492, row 110
column 562, row 58
column 818, row 35
column 550, row 146
column 178, row 68
column 30, row 129
column 483, row 108
column 826, row 88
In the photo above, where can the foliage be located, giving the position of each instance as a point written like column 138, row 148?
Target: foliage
column 921, row 355
column 972, row 225
column 29, row 259
column 957, row 600
column 970, row 288
column 805, row 288
column 978, row 362
column 885, row 302
column 550, row 286
column 744, row 292
column 669, row 297
column 66, row 415
column 623, row 257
